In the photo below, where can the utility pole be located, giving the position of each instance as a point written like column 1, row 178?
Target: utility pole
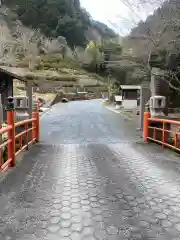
column 109, row 81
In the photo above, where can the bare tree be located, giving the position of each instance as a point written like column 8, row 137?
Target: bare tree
column 82, row 56
column 58, row 45
column 7, row 51
column 159, row 31
column 50, row 45
column 27, row 45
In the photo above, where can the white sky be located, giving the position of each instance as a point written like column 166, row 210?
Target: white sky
column 116, row 12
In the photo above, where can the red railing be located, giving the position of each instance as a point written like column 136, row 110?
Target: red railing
column 165, row 133
column 18, row 142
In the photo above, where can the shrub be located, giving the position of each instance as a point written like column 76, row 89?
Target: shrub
column 5, row 149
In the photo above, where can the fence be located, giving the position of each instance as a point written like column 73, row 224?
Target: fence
column 162, row 131
column 15, row 143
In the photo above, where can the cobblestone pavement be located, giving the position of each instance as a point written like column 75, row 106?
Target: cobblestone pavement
column 91, row 180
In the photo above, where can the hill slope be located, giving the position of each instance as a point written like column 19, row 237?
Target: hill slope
column 21, row 54
column 160, row 30
column 60, row 18
column 158, row 35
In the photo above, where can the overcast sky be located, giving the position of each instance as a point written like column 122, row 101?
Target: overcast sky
column 116, row 12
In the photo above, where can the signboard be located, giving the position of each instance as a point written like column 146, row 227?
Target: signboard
column 118, row 98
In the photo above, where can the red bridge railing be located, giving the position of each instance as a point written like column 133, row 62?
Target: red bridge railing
column 162, row 131
column 16, row 143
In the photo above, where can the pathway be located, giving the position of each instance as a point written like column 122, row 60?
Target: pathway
column 91, row 179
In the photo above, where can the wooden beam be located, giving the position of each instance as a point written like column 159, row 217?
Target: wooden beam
column 6, row 92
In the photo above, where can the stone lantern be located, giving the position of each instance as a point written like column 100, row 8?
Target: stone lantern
column 157, row 105
column 21, row 108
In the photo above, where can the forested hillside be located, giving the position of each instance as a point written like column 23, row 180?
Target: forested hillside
column 158, row 37
column 60, row 18
column 32, row 52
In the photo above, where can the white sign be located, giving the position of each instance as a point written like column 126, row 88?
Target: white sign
column 118, row 98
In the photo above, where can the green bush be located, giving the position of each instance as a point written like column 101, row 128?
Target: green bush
column 5, row 152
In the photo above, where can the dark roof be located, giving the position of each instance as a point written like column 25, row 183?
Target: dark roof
column 10, row 73
column 130, row 87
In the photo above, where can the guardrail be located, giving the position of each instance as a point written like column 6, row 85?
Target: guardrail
column 160, row 131
column 16, row 143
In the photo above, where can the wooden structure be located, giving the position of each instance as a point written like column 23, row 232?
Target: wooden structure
column 6, row 87
column 130, row 91
column 130, row 94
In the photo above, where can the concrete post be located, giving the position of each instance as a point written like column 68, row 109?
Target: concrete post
column 29, row 93
column 144, row 97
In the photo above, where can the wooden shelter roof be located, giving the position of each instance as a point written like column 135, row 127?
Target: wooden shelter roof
column 130, row 87
column 11, row 72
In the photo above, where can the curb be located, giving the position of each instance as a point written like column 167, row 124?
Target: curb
column 124, row 116
column 42, row 113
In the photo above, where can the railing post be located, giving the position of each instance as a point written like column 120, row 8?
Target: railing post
column 37, row 124
column 163, row 134
column 34, row 123
column 145, row 126
column 11, row 132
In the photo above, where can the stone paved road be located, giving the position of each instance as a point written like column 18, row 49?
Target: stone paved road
column 89, row 179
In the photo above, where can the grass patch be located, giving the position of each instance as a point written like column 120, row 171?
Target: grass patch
column 5, row 152
column 56, row 60
column 106, row 102
column 42, row 76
